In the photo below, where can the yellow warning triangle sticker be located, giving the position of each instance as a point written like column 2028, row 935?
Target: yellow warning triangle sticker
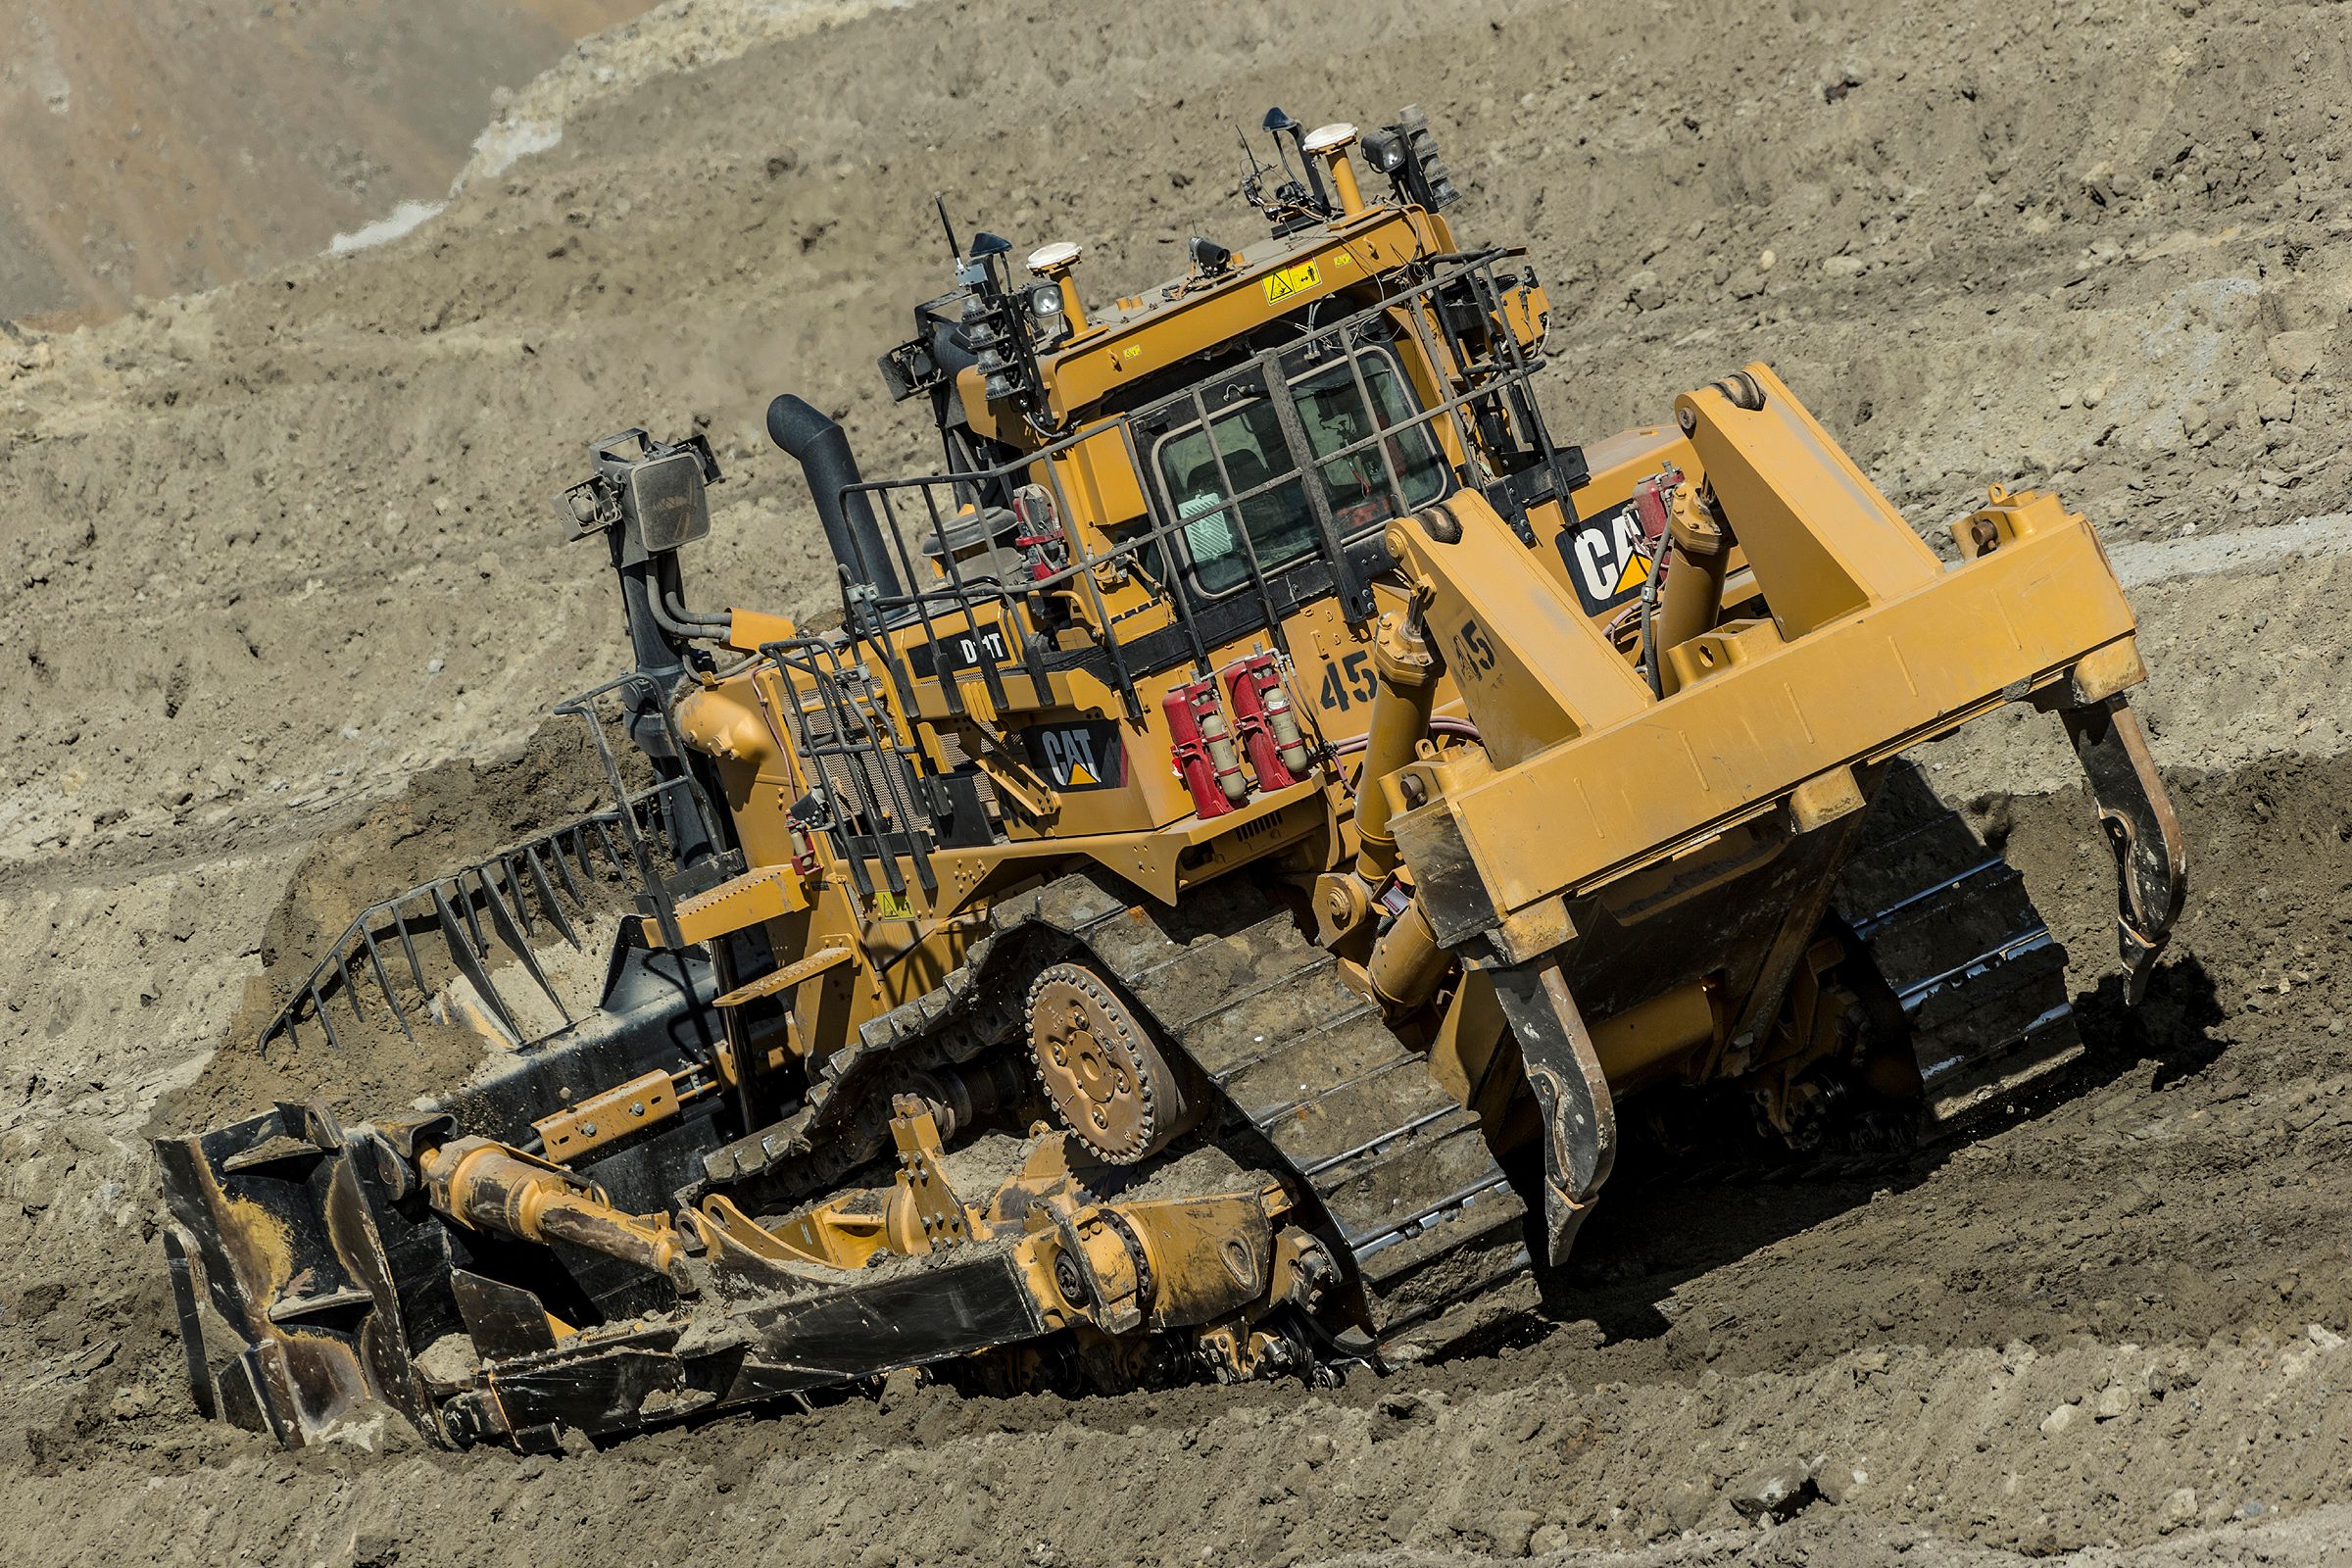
column 1634, row 575
column 1081, row 774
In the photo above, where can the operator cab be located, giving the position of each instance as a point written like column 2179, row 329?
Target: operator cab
column 1156, row 517
column 1238, row 435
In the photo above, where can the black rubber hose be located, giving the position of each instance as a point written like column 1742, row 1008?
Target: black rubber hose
column 673, row 617
column 822, row 451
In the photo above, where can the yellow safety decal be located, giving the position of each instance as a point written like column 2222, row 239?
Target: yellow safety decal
column 1131, row 351
column 888, row 905
column 1291, row 281
column 1341, row 258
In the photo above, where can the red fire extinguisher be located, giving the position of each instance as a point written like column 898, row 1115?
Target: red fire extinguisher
column 1267, row 722
column 1206, row 755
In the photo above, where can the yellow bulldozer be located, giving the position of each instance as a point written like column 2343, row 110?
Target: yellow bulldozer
column 1268, row 814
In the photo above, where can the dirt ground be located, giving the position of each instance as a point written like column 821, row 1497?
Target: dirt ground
column 161, row 146
column 291, row 599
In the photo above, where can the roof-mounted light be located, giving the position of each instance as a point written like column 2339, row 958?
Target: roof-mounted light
column 1386, row 149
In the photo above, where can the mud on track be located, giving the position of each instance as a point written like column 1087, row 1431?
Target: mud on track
column 2112, row 1314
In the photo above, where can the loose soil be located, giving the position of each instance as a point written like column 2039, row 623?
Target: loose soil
column 284, row 552
column 450, row 816
column 164, row 146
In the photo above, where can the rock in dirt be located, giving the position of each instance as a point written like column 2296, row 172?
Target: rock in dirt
column 131, row 1402
column 372, row 1427
column 1398, row 1408
column 1836, row 1480
column 374, row 1549
column 1684, row 1504
column 900, row 1386
column 1778, row 1491
column 1512, row 1530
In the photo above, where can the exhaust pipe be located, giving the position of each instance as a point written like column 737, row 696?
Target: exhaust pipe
column 822, row 451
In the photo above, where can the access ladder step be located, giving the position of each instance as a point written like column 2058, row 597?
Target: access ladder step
column 784, row 979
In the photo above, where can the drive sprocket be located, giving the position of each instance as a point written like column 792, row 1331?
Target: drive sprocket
column 1106, row 1078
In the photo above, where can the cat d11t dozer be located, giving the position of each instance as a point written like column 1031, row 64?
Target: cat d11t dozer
column 1269, row 813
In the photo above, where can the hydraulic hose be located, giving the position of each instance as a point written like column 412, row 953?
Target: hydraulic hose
column 673, row 617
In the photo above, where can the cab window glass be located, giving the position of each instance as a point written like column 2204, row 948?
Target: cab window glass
column 1334, row 415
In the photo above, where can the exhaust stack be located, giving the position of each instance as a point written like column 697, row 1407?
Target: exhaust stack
column 822, row 451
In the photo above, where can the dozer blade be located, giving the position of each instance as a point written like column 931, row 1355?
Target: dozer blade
column 335, row 1271
column 311, row 1277
column 318, row 1287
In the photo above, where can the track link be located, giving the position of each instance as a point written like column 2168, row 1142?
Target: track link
column 1955, row 934
column 1408, row 1188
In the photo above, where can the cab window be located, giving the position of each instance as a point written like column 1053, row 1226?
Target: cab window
column 1280, row 528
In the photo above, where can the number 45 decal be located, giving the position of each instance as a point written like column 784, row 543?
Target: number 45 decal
column 1472, row 653
column 1346, row 679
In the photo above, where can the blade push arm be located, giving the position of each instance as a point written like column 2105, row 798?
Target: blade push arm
column 1775, row 722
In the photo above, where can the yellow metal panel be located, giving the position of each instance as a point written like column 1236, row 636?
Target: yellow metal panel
column 1098, row 479
column 610, row 1113
column 1820, row 538
column 747, row 629
column 784, row 979
column 1119, row 351
column 767, row 894
column 1531, row 667
column 1636, row 1042
column 1733, row 746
